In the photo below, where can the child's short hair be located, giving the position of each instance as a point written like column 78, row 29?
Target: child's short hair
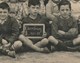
column 13, row 1
column 64, row 2
column 33, row 2
column 4, row 5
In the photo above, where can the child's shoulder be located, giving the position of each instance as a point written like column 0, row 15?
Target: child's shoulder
column 24, row 18
column 73, row 17
column 43, row 16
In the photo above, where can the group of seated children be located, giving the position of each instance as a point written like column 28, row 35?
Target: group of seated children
column 62, row 36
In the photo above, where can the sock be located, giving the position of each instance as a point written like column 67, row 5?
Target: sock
column 61, row 46
column 69, row 43
column 49, row 46
column 11, row 48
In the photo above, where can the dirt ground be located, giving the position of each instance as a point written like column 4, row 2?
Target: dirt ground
column 34, row 57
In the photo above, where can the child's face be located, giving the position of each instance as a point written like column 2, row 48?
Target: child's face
column 12, row 14
column 65, row 11
column 3, row 14
column 34, row 10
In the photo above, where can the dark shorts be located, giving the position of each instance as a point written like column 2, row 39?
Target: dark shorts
column 24, row 48
column 64, row 44
column 68, row 43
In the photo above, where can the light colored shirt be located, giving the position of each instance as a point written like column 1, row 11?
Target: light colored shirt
column 75, row 6
column 13, row 7
column 42, row 7
column 51, row 9
column 23, row 9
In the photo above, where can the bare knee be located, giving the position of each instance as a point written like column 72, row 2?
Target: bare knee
column 45, row 41
column 76, row 41
column 17, row 44
column 4, row 42
column 51, row 38
column 21, row 36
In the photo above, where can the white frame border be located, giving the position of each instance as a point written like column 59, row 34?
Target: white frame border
column 34, row 25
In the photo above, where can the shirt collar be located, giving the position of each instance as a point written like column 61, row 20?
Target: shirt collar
column 3, row 21
column 64, row 18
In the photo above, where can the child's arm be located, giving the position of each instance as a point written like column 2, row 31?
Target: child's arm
column 5, row 43
column 61, row 32
column 15, row 31
column 55, row 31
column 49, row 12
column 72, row 32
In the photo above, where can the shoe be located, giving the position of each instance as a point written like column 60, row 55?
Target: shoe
column 61, row 46
column 12, row 54
column 6, row 51
column 71, row 49
column 53, row 49
column 76, row 48
column 45, row 50
column 1, row 48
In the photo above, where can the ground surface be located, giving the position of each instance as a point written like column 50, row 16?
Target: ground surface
column 34, row 57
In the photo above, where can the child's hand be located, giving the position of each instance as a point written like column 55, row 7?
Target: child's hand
column 4, row 41
column 50, row 22
column 22, row 32
column 72, row 31
column 44, row 35
column 61, row 32
column 7, row 45
column 79, row 18
column 79, row 35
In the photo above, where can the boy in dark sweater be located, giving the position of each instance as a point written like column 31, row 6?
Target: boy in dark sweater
column 9, row 31
column 35, row 18
column 64, row 28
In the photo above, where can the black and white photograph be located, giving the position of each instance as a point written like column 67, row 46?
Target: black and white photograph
column 39, row 31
